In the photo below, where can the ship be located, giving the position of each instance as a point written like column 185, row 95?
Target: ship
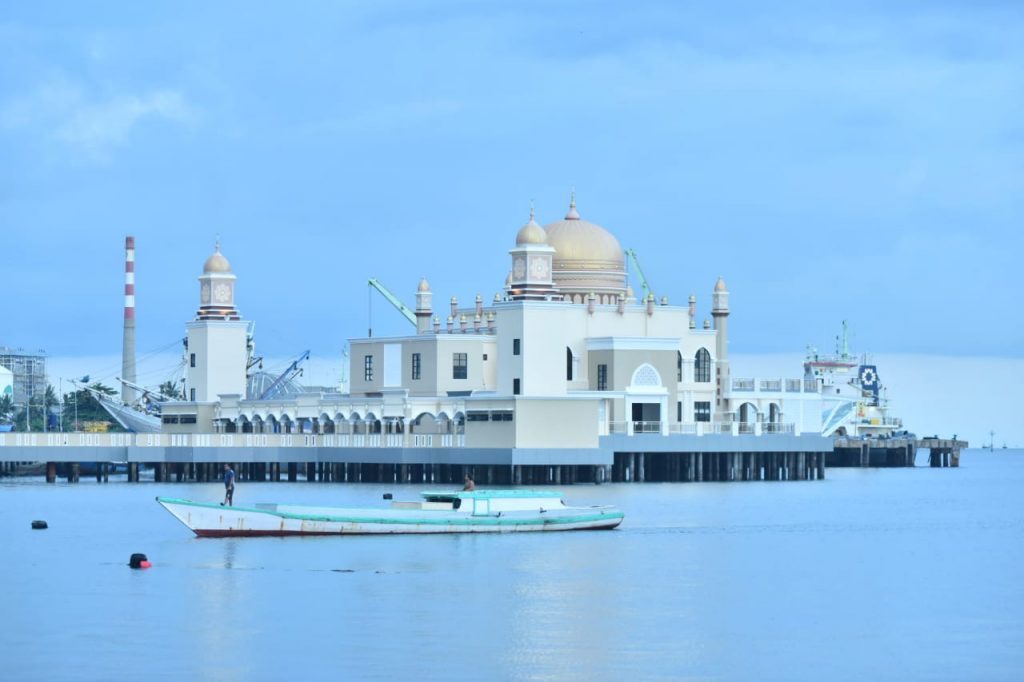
column 854, row 400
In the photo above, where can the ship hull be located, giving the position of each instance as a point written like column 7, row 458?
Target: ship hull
column 212, row 520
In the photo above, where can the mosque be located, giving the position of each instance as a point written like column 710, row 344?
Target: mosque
column 563, row 366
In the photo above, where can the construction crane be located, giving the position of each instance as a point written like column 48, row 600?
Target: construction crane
column 393, row 300
column 639, row 273
column 287, row 375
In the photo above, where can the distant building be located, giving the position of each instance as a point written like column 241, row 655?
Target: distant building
column 28, row 370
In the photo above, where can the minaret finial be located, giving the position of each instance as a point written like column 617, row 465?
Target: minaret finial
column 572, row 214
column 532, row 214
column 217, row 243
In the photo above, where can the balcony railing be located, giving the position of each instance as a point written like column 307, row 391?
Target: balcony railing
column 775, row 385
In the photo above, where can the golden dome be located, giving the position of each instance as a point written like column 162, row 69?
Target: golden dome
column 582, row 245
column 720, row 285
column 424, row 285
column 217, row 262
column 531, row 233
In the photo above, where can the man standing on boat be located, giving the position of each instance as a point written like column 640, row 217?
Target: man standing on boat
column 469, row 484
column 229, row 486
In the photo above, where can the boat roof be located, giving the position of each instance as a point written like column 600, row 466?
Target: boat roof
column 447, row 495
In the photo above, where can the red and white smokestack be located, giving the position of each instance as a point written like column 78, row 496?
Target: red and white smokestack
column 128, row 345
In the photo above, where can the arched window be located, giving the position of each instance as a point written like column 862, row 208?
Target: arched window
column 568, row 363
column 702, row 366
column 679, row 366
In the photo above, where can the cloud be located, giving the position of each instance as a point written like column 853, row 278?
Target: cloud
column 90, row 123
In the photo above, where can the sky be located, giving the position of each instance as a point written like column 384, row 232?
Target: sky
column 857, row 161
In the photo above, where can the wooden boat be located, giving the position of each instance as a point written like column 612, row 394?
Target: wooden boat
column 479, row 511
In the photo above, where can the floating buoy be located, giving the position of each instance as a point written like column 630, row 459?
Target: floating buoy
column 39, row 525
column 139, row 561
column 387, row 496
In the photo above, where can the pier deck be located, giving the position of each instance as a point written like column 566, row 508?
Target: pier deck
column 895, row 452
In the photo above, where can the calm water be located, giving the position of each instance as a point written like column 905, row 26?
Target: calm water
column 869, row 575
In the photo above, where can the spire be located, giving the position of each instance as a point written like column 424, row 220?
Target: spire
column 533, row 215
column 572, row 214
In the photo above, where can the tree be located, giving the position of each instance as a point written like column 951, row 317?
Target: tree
column 81, row 406
column 6, row 408
column 170, row 390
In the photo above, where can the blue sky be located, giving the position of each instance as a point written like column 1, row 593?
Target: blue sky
column 859, row 161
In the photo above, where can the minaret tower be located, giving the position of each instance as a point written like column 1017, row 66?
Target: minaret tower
column 531, row 278
column 424, row 308
column 128, row 395
column 216, row 351
column 720, row 314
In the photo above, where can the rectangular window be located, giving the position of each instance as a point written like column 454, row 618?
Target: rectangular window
column 515, row 347
column 485, row 357
column 602, row 377
column 192, row 394
column 368, row 368
column 415, row 366
column 192, row 360
column 170, row 419
column 501, row 416
column 477, row 416
column 459, row 365
column 679, row 411
column 188, row 419
column 515, row 387
column 702, row 412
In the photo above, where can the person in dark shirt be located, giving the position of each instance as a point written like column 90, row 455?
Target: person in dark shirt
column 229, row 486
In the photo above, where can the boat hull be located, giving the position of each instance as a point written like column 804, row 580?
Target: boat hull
column 212, row 520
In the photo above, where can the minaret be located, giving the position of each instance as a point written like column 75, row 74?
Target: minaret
column 217, row 349
column 424, row 309
column 128, row 395
column 531, row 277
column 720, row 314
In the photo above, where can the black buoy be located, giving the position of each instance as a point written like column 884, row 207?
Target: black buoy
column 139, row 560
column 39, row 525
column 387, row 496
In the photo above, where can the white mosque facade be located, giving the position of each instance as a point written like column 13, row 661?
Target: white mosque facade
column 564, row 365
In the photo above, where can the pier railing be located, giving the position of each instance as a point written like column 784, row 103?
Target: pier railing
column 702, row 428
column 227, row 440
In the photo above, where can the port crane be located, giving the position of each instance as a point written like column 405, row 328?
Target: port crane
column 392, row 299
column 290, row 373
column 640, row 274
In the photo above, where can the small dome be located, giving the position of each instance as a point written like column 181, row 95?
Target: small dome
column 531, row 233
column 720, row 285
column 424, row 285
column 217, row 262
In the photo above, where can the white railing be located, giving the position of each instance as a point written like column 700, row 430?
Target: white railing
column 774, row 385
column 246, row 440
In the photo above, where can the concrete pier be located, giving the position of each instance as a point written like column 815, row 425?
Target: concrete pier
column 894, row 452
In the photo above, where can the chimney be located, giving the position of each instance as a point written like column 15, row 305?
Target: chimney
column 128, row 342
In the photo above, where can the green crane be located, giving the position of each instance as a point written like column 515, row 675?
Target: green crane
column 393, row 300
column 639, row 273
